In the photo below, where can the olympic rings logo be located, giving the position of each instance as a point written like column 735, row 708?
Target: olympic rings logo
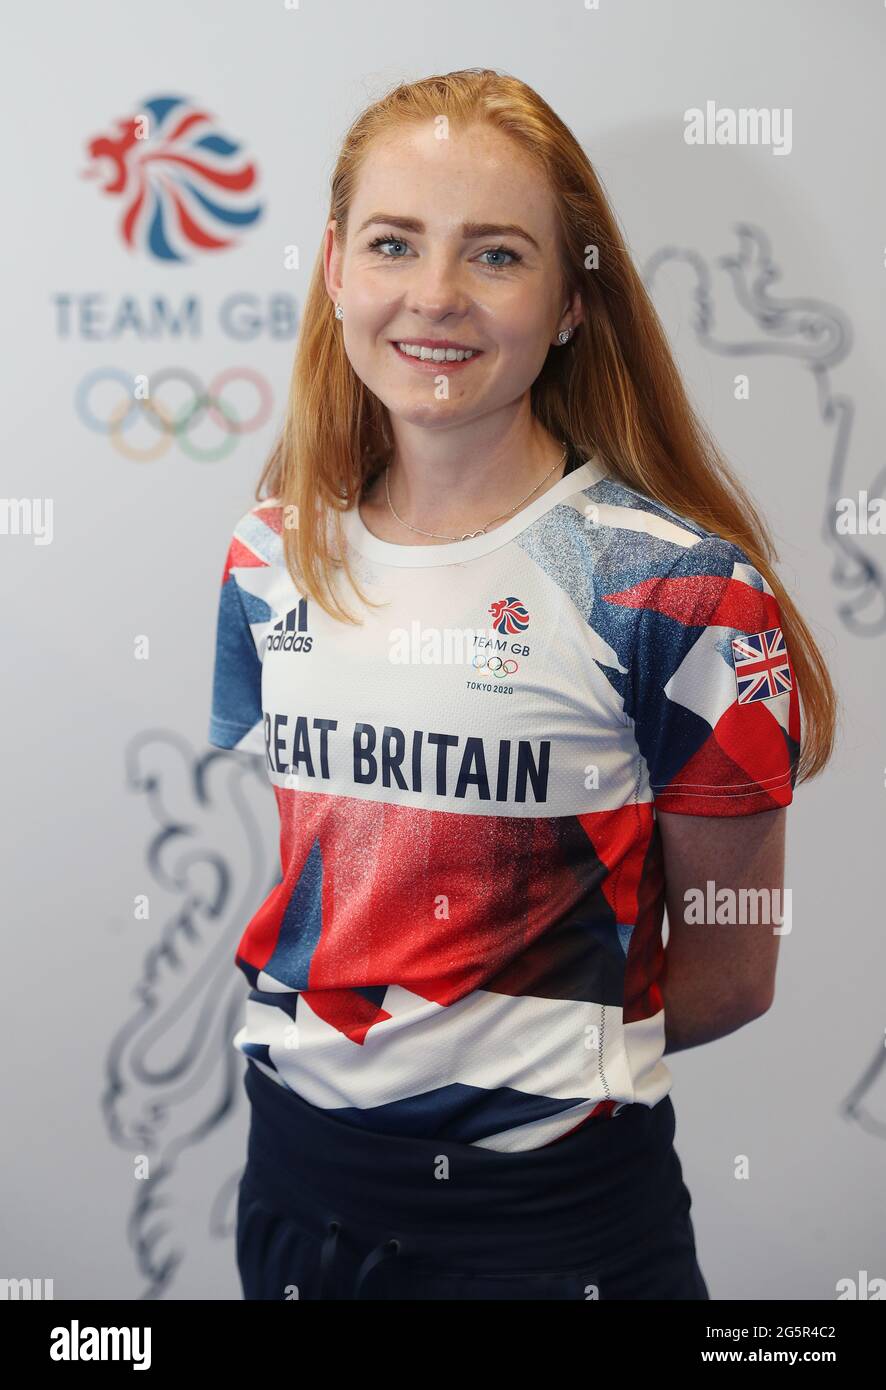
column 173, row 424
column 495, row 666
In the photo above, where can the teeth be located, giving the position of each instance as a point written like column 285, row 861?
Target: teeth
column 436, row 354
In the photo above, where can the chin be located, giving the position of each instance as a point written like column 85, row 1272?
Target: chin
column 427, row 412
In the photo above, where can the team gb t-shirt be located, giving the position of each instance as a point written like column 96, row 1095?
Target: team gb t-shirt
column 466, row 939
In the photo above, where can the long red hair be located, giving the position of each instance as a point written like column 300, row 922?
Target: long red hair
column 615, row 390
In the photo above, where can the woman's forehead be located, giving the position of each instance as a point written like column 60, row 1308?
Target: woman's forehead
column 485, row 179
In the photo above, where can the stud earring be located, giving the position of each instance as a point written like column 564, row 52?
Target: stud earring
column 565, row 335
column 339, row 312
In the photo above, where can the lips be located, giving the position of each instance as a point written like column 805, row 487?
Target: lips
column 436, row 343
column 434, row 353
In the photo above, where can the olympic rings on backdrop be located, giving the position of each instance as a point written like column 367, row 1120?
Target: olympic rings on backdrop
column 174, row 425
column 494, row 665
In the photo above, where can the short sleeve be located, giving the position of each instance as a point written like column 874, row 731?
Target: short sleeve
column 236, row 719
column 712, row 689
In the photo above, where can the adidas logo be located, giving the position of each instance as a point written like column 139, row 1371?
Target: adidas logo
column 290, row 634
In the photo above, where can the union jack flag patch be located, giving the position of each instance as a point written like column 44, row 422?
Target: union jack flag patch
column 761, row 665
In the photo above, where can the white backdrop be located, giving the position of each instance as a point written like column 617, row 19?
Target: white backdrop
column 117, row 1019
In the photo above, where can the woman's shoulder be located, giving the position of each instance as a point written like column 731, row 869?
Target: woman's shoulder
column 259, row 530
column 654, row 530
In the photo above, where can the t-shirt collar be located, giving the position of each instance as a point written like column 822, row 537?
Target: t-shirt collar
column 457, row 552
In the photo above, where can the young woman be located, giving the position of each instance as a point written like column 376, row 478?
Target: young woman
column 508, row 637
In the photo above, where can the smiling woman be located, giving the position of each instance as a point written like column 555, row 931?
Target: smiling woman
column 483, row 295
column 462, row 971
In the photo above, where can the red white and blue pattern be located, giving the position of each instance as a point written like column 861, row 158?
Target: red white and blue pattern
column 185, row 184
column 466, row 939
column 762, row 669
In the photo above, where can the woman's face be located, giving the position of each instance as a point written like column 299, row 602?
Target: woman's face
column 450, row 242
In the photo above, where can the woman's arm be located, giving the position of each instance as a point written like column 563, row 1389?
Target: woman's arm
column 719, row 976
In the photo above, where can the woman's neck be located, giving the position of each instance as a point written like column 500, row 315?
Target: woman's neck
column 377, row 515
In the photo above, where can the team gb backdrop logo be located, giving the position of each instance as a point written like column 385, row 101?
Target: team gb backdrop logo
column 185, row 186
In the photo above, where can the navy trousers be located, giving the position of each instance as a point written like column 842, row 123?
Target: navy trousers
column 328, row 1210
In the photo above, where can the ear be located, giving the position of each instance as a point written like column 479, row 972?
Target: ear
column 572, row 315
column 332, row 260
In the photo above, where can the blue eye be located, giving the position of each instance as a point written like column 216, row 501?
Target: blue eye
column 378, row 242
column 501, row 251
column 386, row 241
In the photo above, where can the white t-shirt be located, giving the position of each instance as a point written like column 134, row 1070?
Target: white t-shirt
column 466, row 939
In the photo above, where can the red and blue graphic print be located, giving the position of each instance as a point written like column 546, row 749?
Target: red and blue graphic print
column 466, row 938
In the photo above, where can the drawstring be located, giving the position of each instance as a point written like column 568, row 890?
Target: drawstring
column 327, row 1254
column 386, row 1247
column 382, row 1251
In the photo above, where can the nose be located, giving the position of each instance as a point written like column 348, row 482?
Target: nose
column 437, row 288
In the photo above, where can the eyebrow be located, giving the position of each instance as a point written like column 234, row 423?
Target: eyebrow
column 469, row 230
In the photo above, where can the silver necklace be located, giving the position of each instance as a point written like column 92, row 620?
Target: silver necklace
column 470, row 535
